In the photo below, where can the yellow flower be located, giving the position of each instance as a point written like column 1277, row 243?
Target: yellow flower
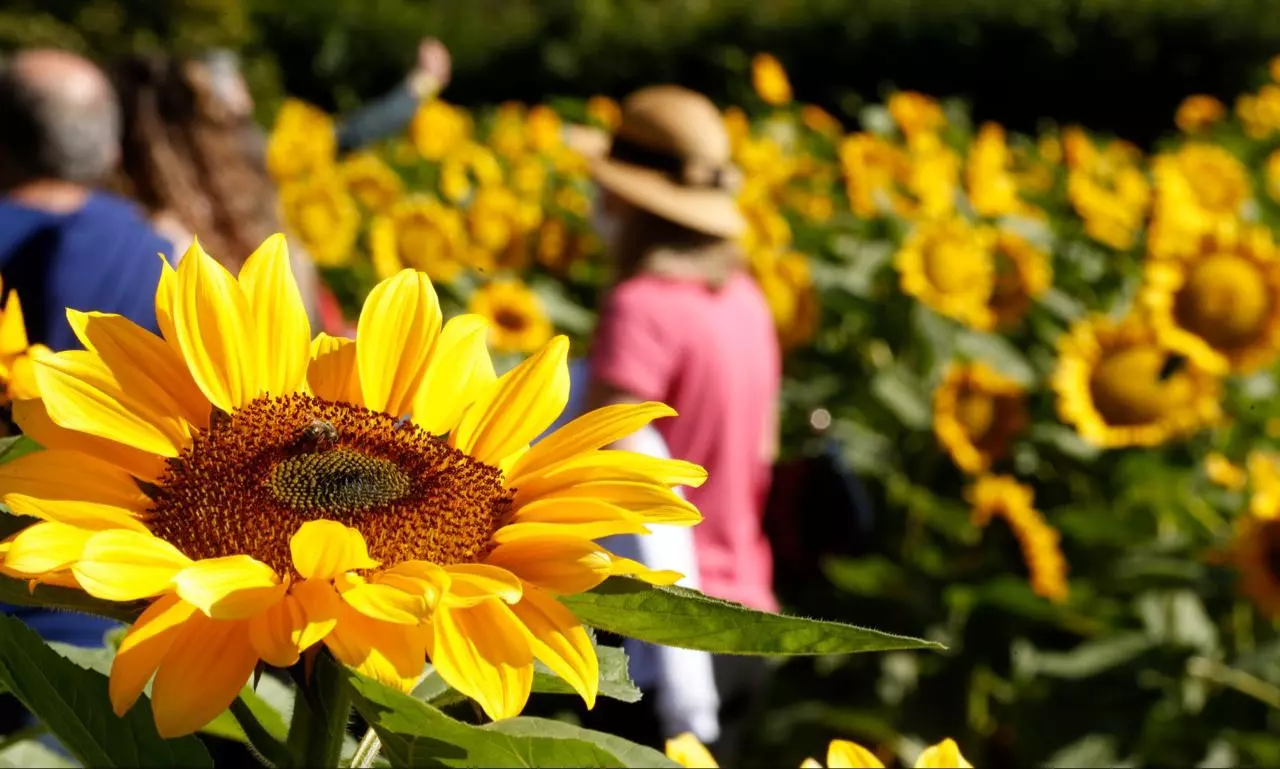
column 1255, row 552
column 494, row 218
column 17, row 354
column 371, row 181
column 543, row 127
column 688, row 751
column 1023, row 273
column 916, row 113
column 1224, row 473
column 950, row 266
column 322, row 213
column 873, row 171
column 770, row 80
column 301, row 141
column 820, row 121
column 518, row 323
column 977, row 412
column 507, row 135
column 738, row 126
column 574, row 201
column 604, row 112
column 1198, row 112
column 438, row 129
column 1107, row 188
column 1203, row 181
column 787, row 284
column 992, row 187
column 842, row 754
column 1000, row 495
column 767, row 229
column 1120, row 387
column 420, row 233
column 1264, row 484
column 529, row 176
column 264, row 493
column 933, row 177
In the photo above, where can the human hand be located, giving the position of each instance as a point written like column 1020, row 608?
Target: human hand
column 434, row 61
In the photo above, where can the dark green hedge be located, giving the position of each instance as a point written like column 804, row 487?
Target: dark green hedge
column 1121, row 65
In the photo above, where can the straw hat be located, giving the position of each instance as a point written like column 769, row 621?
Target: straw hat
column 670, row 157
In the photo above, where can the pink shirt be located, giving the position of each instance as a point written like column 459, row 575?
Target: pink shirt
column 713, row 356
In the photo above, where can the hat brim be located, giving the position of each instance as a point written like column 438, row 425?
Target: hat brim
column 711, row 211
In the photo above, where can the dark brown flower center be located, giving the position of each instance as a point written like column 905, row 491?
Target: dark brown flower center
column 247, row 484
column 511, row 320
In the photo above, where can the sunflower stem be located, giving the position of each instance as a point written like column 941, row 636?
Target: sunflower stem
column 269, row 750
column 367, row 751
column 321, row 710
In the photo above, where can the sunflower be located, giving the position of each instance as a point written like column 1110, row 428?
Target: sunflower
column 1203, row 181
column 977, row 412
column 820, row 121
column 438, row 129
column 874, row 170
column 371, row 181
column 1023, row 273
column 1000, row 495
column 1223, row 472
column 933, row 177
column 265, row 493
column 1107, row 188
column 421, row 233
column 786, row 281
column 542, row 126
column 1219, row 306
column 17, row 354
column 992, row 186
column 688, row 751
column 770, row 80
column 916, row 114
column 322, row 213
column 604, row 112
column 301, row 141
column 1255, row 551
column 1197, row 112
column 1119, row 386
column 950, row 265
column 518, row 322
column 843, row 754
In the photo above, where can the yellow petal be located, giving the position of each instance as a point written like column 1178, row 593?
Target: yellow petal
column 597, row 530
column 323, row 549
column 654, row 503
column 296, row 623
column 687, row 751
column 143, row 648
column 559, row 640
column 605, row 466
column 207, row 666
column 166, row 293
column 13, row 331
column 215, row 331
column 44, row 547
column 398, row 326
column 588, row 432
column 22, row 374
column 625, row 567
column 122, row 565
column 81, row 393
column 34, row 420
column 279, row 316
column 85, row 515
column 321, row 605
column 231, row 587
column 459, row 370
column 71, row 477
column 125, row 346
column 518, row 407
column 810, row 763
column 381, row 601
column 483, row 652
column 390, row 653
column 564, row 565
column 332, row 374
column 471, row 583
column 842, row 754
column 420, row 578
column 944, row 755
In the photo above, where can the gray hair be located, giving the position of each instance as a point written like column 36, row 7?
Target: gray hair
column 48, row 131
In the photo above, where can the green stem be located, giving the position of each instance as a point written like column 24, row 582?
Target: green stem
column 270, row 751
column 367, row 751
column 321, row 710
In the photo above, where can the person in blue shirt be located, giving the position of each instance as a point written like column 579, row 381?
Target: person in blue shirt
column 63, row 242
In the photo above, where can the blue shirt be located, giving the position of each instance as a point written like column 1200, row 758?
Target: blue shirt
column 102, row 257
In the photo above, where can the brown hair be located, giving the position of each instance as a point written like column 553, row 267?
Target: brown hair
column 650, row 244
column 186, row 154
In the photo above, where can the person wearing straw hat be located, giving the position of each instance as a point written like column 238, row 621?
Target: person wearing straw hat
column 684, row 323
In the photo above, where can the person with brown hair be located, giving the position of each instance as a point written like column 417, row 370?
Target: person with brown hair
column 684, row 324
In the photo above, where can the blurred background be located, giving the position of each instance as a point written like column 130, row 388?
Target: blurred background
column 1091, row 595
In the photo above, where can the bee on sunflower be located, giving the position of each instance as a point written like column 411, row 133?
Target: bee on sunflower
column 263, row 493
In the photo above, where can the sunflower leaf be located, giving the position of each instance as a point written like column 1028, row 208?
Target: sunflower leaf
column 615, row 681
column 676, row 616
column 73, row 703
column 16, row 592
column 414, row 733
column 15, row 446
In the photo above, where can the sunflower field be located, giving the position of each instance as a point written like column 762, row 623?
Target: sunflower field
column 1051, row 358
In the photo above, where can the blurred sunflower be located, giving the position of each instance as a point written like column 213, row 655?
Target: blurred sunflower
column 1197, row 112
column 874, row 170
column 916, row 114
column 17, row 354
column 950, row 266
column 373, row 183
column 320, row 210
column 1271, row 175
column 738, row 126
column 498, row 221
column 786, row 281
column 977, row 412
column 542, row 127
column 1260, row 112
column 421, row 233
column 1107, row 188
column 1220, row 306
column 604, row 112
column 820, row 121
column 1201, row 181
column 517, row 320
column 843, row 754
column 1001, row 495
column 1223, row 472
column 438, row 129
column 529, row 176
column 1255, row 552
column 1263, row 480
column 688, row 751
column 992, row 187
column 265, row 493
column 1023, row 273
column 770, row 80
column 507, row 132
column 1119, row 386
column 302, row 140
column 767, row 228
column 933, row 177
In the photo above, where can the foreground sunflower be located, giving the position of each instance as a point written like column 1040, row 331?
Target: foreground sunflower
column 843, row 754
column 977, row 412
column 17, row 354
column 265, row 493
column 1119, row 386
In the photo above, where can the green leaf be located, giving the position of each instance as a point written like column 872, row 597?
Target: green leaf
column 901, row 392
column 1087, row 660
column 415, row 734
column 615, row 681
column 15, row 591
column 998, row 353
column 15, row 446
column 73, row 703
column 676, row 616
column 27, row 753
